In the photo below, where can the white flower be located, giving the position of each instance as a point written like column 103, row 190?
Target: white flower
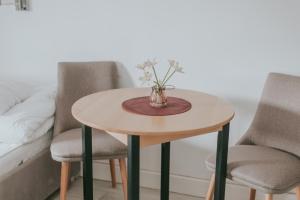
column 141, row 66
column 177, row 67
column 150, row 63
column 154, row 62
column 172, row 62
column 149, row 70
column 146, row 78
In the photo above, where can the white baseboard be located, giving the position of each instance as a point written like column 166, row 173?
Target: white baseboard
column 181, row 184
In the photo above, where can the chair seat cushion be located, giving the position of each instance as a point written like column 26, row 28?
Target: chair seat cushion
column 67, row 146
column 263, row 168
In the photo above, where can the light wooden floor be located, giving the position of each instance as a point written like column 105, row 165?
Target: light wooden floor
column 103, row 191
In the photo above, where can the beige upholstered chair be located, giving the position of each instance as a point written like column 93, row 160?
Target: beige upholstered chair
column 267, row 158
column 76, row 80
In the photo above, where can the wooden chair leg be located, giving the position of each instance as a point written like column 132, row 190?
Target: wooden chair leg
column 64, row 179
column 298, row 192
column 113, row 173
column 269, row 197
column 252, row 194
column 123, row 171
column 211, row 188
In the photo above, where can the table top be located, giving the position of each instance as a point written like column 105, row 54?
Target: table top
column 104, row 111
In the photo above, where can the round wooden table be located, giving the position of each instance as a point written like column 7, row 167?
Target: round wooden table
column 104, row 111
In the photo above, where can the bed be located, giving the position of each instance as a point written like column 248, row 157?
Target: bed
column 27, row 171
column 13, row 155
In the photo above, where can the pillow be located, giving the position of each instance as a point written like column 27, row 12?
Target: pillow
column 19, row 124
column 12, row 93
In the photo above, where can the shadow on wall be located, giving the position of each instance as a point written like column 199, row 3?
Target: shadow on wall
column 187, row 158
column 123, row 77
column 193, row 156
column 244, row 107
column 244, row 113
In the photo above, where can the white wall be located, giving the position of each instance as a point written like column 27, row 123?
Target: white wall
column 227, row 49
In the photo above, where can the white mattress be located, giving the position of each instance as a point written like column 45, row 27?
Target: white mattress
column 12, row 155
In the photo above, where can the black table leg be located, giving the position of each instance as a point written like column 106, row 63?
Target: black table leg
column 165, row 171
column 87, row 159
column 221, row 163
column 133, row 167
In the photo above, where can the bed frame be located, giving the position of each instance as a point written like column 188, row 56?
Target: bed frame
column 35, row 179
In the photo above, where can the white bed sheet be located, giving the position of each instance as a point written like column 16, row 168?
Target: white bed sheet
column 13, row 155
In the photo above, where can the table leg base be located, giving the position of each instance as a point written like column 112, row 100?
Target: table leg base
column 87, row 160
column 165, row 171
column 221, row 163
column 133, row 167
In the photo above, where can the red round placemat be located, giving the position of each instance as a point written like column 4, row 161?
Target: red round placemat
column 141, row 105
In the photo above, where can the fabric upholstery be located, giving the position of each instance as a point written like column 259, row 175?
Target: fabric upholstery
column 277, row 120
column 263, row 168
column 68, row 146
column 76, row 80
column 267, row 157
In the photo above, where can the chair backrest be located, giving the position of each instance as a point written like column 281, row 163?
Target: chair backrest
column 76, row 80
column 277, row 120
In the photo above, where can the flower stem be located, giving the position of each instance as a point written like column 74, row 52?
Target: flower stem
column 166, row 74
column 168, row 78
column 153, row 68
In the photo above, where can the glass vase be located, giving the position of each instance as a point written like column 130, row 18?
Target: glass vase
column 158, row 98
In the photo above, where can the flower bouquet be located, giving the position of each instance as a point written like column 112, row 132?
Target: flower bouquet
column 158, row 97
